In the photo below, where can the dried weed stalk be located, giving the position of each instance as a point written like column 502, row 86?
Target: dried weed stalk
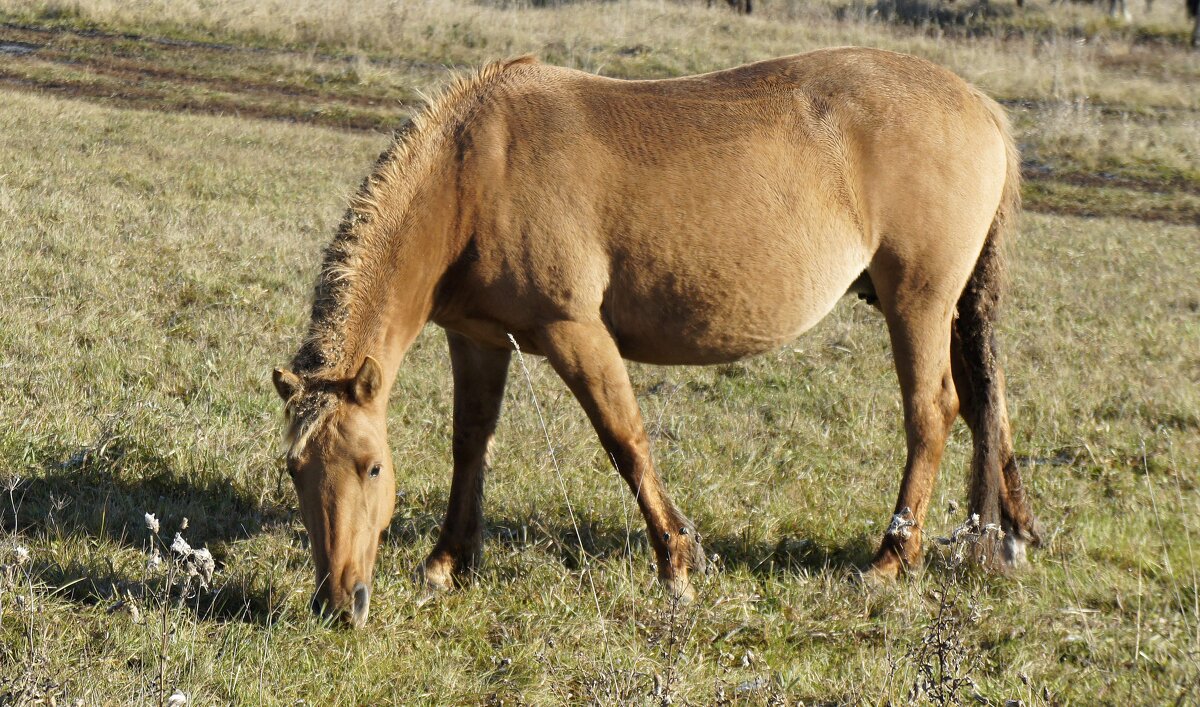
column 943, row 660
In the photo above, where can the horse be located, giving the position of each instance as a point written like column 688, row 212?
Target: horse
column 685, row 221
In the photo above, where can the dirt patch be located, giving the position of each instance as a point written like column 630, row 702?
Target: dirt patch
column 1142, row 111
column 1178, row 216
column 1034, row 171
column 178, row 67
column 18, row 48
column 133, row 70
column 172, row 75
column 48, row 34
column 133, row 97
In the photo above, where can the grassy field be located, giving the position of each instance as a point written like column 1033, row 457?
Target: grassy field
column 168, row 174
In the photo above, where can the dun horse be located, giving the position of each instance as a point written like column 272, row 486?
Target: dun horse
column 686, row 221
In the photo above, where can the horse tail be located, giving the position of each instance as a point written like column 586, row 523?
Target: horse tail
column 995, row 490
column 1193, row 11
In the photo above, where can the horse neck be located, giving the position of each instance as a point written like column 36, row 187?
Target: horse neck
column 393, row 306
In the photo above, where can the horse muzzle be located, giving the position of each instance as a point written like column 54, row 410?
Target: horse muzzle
column 352, row 613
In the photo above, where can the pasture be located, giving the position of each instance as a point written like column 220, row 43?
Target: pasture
column 169, row 172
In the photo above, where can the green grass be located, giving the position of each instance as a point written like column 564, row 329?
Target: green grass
column 159, row 264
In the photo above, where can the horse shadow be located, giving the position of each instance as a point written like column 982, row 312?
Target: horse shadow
column 93, row 492
column 576, row 542
column 105, row 491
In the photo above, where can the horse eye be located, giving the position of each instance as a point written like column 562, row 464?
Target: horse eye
column 375, row 469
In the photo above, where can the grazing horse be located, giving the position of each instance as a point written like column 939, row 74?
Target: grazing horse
column 696, row 220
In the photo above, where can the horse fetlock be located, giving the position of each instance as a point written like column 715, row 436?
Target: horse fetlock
column 681, row 559
column 884, row 569
column 1012, row 551
column 697, row 562
column 1026, row 529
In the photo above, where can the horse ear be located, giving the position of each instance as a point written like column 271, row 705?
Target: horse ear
column 287, row 384
column 367, row 381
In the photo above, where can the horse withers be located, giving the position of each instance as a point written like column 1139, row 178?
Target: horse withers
column 697, row 220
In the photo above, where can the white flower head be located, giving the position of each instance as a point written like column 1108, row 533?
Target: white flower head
column 901, row 522
column 177, row 699
column 180, row 546
column 22, row 554
column 201, row 564
column 152, row 523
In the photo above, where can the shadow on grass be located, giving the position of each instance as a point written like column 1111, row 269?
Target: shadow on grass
column 103, row 492
column 417, row 522
column 926, row 12
column 971, row 19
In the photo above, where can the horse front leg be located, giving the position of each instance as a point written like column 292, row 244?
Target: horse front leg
column 586, row 357
column 479, row 378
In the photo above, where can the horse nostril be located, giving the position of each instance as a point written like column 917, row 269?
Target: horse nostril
column 362, row 602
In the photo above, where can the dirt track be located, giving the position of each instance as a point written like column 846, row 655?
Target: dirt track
column 172, row 75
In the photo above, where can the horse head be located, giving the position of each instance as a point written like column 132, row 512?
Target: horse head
column 341, row 467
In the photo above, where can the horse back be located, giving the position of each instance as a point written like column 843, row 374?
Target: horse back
column 719, row 214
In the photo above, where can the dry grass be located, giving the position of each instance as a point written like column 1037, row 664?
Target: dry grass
column 1094, row 100
column 159, row 264
column 1044, row 52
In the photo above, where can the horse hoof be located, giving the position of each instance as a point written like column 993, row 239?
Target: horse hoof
column 425, row 595
column 1012, row 552
column 878, row 574
column 432, row 580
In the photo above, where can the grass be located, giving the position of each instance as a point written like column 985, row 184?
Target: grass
column 159, row 263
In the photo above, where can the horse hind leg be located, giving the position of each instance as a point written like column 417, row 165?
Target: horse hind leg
column 919, row 321
column 996, row 492
column 479, row 378
column 587, row 359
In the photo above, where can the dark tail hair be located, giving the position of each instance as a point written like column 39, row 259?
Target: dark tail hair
column 995, row 490
column 1193, row 8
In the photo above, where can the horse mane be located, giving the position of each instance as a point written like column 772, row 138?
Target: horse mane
column 357, row 255
column 356, row 250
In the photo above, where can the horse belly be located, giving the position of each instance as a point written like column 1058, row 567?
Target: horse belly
column 729, row 305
